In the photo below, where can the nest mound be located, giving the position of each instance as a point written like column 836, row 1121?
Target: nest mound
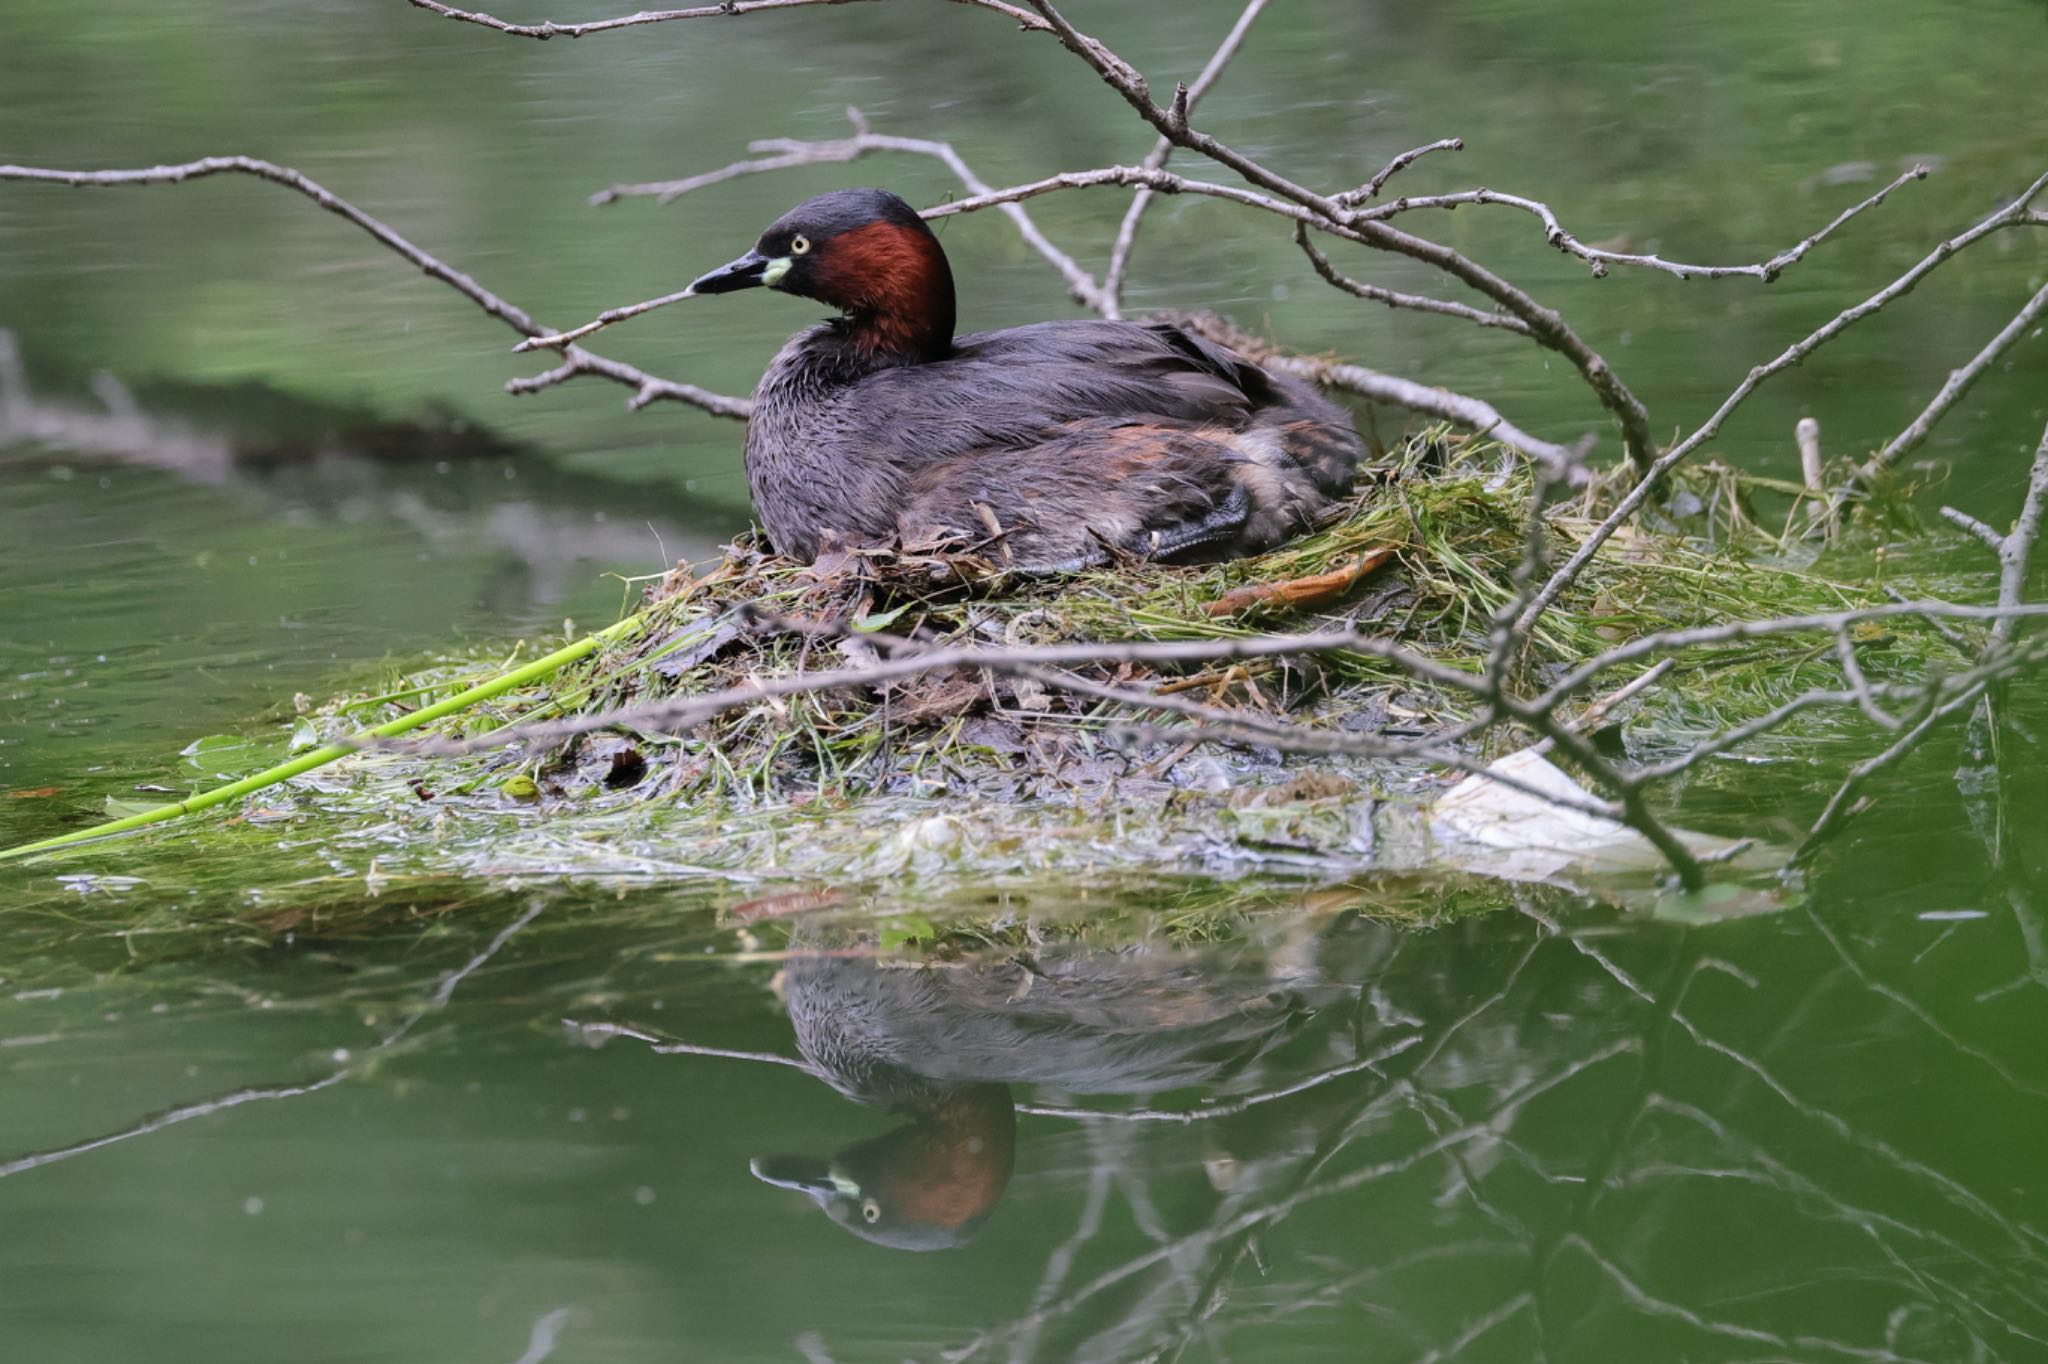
column 1422, row 553
column 935, row 781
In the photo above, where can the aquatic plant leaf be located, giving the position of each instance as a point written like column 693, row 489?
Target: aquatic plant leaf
column 909, row 928
column 223, row 755
column 880, row 620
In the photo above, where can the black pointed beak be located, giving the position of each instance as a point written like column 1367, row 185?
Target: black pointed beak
column 805, row 1174
column 744, row 273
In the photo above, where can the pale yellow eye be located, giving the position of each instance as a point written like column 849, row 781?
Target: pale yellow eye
column 870, row 1210
column 799, row 244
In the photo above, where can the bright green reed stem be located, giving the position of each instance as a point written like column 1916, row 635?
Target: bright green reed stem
column 320, row 757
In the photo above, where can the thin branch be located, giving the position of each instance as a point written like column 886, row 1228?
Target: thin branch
column 1232, row 1107
column 680, row 713
column 171, row 1117
column 1127, row 231
column 547, row 28
column 1595, row 715
column 576, row 361
column 1166, row 182
column 2015, row 560
column 1548, row 327
column 1600, row 259
column 1240, row 729
column 1376, row 386
column 594, row 1031
column 221, row 1103
column 668, row 191
column 1370, row 190
column 1740, row 631
column 1940, row 627
column 1792, row 355
column 1395, row 299
column 1935, row 694
column 2016, row 553
column 1754, row 728
column 1959, row 382
column 786, row 153
column 604, row 319
column 1866, row 699
column 1843, row 803
column 1964, row 521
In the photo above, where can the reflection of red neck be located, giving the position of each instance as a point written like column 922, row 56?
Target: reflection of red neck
column 949, row 1168
column 893, row 281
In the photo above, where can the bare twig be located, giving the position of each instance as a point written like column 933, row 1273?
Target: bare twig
column 1790, row 356
column 1395, row 299
column 1548, row 328
column 1959, row 382
column 1370, row 190
column 595, row 1031
column 1866, row 698
column 2015, row 551
column 221, row 1103
column 547, row 28
column 1600, row 259
column 1825, row 622
column 682, row 712
column 1962, row 520
column 559, row 340
column 1232, row 1107
column 1843, row 804
column 1471, row 413
column 784, row 153
column 1940, row 627
column 576, row 361
column 1127, row 231
column 1812, row 471
column 1126, row 177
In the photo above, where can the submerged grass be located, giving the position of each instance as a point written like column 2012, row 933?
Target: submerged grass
column 871, row 785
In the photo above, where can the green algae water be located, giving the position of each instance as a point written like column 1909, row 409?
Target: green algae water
column 265, row 1101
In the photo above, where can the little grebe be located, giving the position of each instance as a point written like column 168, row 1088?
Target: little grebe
column 1054, row 446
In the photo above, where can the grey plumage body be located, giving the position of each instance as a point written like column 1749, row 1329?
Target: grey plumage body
column 1052, row 446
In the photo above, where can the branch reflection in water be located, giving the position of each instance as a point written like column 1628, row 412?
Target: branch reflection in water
column 1470, row 1125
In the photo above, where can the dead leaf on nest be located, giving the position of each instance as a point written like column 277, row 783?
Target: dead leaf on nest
column 941, row 698
column 833, row 563
column 1301, row 594
column 1031, row 694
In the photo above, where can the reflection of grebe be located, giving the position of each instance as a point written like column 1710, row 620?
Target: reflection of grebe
column 942, row 1043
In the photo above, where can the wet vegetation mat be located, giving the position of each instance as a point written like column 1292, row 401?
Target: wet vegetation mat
column 941, row 777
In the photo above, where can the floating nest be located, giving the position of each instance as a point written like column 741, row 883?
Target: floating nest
column 950, row 784
column 1422, row 553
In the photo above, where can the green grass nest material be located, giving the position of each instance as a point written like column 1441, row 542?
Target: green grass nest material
column 1452, row 509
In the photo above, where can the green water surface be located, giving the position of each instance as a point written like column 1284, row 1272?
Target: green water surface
column 242, row 1120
